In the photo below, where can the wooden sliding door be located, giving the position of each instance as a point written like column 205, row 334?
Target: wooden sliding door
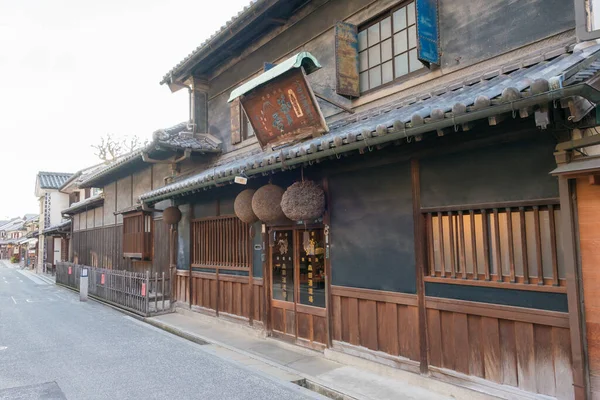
column 297, row 276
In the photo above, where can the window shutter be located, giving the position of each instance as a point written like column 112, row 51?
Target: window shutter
column 346, row 59
column 236, row 126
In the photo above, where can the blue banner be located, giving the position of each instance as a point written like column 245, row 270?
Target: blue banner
column 428, row 31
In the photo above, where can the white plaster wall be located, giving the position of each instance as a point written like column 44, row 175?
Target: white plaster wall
column 90, row 219
column 98, row 214
column 109, row 203
column 124, row 192
column 58, row 202
column 159, row 173
column 142, row 183
column 76, row 222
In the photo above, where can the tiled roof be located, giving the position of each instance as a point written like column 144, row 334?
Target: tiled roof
column 56, row 228
column 9, row 224
column 488, row 94
column 52, row 180
column 249, row 9
column 174, row 138
column 90, row 202
column 179, row 137
column 81, row 175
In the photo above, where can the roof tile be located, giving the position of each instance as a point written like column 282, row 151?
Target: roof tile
column 52, row 180
column 361, row 125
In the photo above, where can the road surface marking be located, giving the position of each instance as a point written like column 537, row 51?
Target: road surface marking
column 33, row 278
column 13, row 299
column 3, row 348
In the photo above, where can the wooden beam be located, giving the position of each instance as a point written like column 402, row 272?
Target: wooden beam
column 576, row 328
column 497, row 119
column 420, row 258
column 328, row 298
column 511, row 313
column 266, row 253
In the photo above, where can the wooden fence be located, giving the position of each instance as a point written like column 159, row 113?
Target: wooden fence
column 141, row 293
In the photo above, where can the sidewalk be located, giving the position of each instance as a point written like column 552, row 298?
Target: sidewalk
column 302, row 366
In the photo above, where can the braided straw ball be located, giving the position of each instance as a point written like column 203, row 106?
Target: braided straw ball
column 303, row 201
column 243, row 206
column 266, row 204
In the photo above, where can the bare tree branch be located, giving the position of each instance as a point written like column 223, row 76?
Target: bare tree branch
column 110, row 148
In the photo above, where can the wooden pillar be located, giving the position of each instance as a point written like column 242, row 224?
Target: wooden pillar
column 420, row 257
column 250, row 260
column 173, row 261
column 327, row 237
column 573, row 286
column 266, row 278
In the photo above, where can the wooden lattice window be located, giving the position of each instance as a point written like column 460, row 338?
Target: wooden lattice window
column 221, row 242
column 137, row 235
column 504, row 244
column 388, row 47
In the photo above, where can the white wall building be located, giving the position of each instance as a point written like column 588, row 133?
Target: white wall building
column 52, row 202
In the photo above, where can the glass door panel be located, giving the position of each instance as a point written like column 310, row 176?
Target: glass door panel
column 312, row 267
column 283, row 265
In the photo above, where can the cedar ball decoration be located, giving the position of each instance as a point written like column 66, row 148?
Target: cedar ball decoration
column 171, row 215
column 243, row 206
column 303, row 201
column 266, row 203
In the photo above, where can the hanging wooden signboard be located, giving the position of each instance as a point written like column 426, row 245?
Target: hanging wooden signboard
column 284, row 110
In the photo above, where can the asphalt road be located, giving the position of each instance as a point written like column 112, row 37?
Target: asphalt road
column 52, row 346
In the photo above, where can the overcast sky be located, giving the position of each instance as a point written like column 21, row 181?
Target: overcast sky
column 74, row 70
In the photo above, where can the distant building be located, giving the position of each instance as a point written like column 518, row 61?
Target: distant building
column 52, row 202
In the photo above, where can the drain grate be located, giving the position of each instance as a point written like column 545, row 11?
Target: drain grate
column 322, row 390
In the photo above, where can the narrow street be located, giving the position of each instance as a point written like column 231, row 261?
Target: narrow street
column 52, row 346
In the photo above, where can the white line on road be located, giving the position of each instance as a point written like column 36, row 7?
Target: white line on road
column 32, row 277
column 3, row 348
column 13, row 299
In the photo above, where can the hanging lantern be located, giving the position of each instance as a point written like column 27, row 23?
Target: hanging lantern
column 266, row 204
column 243, row 206
column 303, row 201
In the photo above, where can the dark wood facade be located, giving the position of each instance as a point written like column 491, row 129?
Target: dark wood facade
column 103, row 248
column 388, row 296
column 446, row 256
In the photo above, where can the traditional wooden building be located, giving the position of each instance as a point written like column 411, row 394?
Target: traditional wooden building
column 111, row 229
column 449, row 142
column 51, row 202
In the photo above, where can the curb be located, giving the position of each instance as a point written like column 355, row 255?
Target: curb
column 98, row 300
column 307, row 381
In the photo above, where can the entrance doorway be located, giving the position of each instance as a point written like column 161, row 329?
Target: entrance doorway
column 298, row 286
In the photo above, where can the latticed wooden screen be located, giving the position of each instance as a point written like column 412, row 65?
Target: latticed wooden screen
column 137, row 236
column 512, row 243
column 221, row 242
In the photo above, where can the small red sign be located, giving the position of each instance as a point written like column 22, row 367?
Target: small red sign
column 70, row 271
column 102, row 279
column 143, row 289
